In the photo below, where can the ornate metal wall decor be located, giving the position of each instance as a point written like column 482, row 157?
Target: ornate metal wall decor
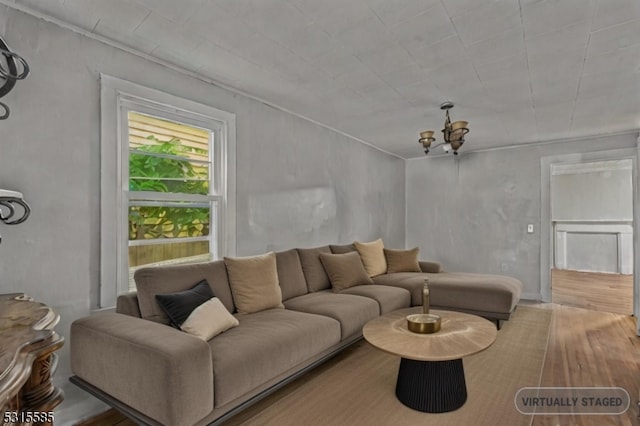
column 13, row 67
column 13, row 208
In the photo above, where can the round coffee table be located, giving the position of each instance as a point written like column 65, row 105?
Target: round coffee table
column 431, row 374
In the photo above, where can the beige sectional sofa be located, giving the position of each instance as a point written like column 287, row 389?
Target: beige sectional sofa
column 157, row 374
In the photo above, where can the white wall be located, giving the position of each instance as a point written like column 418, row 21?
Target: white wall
column 49, row 150
column 471, row 212
column 592, row 216
column 592, row 192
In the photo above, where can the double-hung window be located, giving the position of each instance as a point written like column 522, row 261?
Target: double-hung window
column 167, row 183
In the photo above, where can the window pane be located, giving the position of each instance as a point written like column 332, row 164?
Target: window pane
column 166, row 254
column 155, row 220
column 148, row 172
column 167, row 156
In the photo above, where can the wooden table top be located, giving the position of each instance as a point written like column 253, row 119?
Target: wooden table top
column 461, row 335
column 23, row 323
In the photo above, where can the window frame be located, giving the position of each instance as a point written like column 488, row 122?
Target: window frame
column 118, row 97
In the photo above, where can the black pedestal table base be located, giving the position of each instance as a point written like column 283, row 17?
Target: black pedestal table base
column 431, row 386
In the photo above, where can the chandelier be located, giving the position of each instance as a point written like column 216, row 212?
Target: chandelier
column 453, row 133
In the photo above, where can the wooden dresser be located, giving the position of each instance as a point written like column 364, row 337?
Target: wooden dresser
column 27, row 361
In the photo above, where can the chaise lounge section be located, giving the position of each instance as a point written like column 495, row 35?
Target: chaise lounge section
column 494, row 297
column 157, row 374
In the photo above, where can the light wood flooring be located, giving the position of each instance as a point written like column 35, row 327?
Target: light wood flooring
column 586, row 348
column 108, row 418
column 596, row 291
column 590, row 348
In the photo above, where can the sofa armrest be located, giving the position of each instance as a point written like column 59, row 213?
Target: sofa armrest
column 431, row 267
column 159, row 371
column 127, row 304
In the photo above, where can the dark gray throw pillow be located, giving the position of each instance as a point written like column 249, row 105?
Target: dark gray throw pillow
column 178, row 306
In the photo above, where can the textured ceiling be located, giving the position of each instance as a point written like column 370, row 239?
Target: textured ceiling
column 518, row 70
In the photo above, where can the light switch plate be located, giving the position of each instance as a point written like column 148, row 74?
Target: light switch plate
column 530, row 228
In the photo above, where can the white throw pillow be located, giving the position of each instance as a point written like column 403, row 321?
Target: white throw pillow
column 209, row 319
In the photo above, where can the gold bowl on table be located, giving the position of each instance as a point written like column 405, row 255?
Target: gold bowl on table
column 424, row 323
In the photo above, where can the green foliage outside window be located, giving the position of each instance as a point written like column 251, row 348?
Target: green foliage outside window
column 166, row 168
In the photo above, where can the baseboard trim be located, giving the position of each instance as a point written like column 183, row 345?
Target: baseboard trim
column 536, row 297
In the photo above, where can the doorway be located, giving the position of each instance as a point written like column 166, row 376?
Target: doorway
column 592, row 235
column 546, row 236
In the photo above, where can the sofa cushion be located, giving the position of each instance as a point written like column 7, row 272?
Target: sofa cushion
column 266, row 344
column 254, row 282
column 208, row 320
column 402, row 260
column 388, row 298
column 173, row 278
column 372, row 255
column 350, row 310
column 290, row 275
column 178, row 306
column 316, row 276
column 342, row 249
column 344, row 270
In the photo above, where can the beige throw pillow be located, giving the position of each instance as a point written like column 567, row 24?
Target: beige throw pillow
column 402, row 260
column 254, row 282
column 372, row 255
column 344, row 270
column 209, row 319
